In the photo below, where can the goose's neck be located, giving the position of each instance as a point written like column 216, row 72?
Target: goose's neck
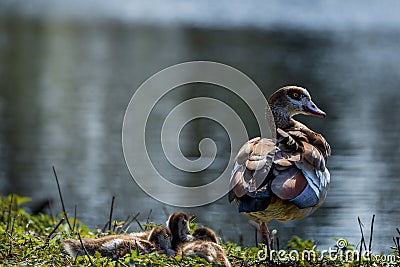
column 282, row 118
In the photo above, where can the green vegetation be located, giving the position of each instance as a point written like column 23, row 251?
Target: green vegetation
column 27, row 240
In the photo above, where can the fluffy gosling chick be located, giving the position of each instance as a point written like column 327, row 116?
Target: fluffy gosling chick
column 205, row 246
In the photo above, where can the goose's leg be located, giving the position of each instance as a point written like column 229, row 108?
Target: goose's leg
column 266, row 235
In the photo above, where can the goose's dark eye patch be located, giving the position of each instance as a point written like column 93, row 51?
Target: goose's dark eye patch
column 295, row 95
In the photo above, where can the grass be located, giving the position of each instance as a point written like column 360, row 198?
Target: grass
column 35, row 240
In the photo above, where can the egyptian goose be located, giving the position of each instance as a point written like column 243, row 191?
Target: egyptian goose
column 178, row 224
column 161, row 238
column 283, row 179
column 205, row 233
column 205, row 246
column 210, row 251
column 203, row 242
column 116, row 246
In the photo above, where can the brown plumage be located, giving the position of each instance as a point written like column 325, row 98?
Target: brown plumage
column 205, row 246
column 206, row 234
column 113, row 246
column 116, row 246
column 203, row 242
column 284, row 178
column 161, row 238
column 178, row 224
column 208, row 250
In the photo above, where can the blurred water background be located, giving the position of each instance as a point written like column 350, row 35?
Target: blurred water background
column 69, row 68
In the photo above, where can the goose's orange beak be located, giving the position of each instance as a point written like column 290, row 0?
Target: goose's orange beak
column 312, row 109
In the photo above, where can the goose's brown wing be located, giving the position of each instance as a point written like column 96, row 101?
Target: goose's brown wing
column 286, row 168
column 252, row 165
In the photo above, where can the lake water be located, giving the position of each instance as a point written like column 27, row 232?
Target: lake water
column 67, row 74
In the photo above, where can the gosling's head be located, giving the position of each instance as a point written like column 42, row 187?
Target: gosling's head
column 161, row 237
column 206, row 234
column 178, row 224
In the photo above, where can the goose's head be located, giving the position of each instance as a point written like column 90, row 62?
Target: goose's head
column 161, row 237
column 178, row 224
column 289, row 101
column 206, row 234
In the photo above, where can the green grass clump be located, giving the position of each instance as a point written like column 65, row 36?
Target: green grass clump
column 27, row 240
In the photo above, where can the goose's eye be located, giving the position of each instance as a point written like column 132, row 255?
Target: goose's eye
column 295, row 95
